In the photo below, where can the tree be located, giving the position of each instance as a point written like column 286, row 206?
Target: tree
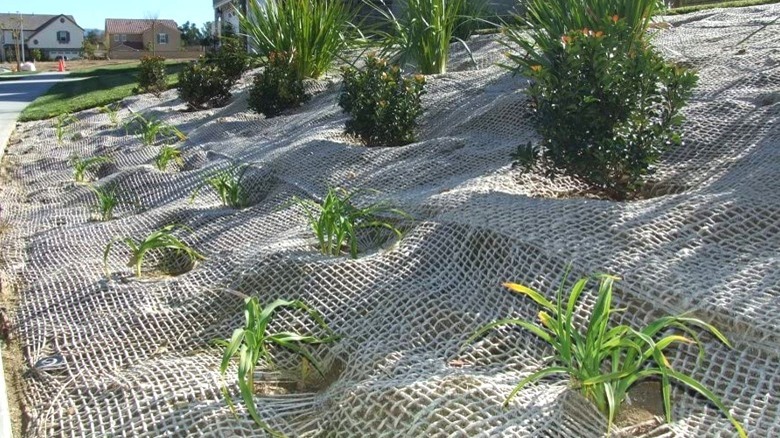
column 88, row 48
column 190, row 34
column 207, row 37
column 153, row 18
column 94, row 36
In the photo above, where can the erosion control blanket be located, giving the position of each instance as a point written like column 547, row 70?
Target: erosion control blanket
column 127, row 357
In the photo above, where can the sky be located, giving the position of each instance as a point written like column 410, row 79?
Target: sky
column 90, row 14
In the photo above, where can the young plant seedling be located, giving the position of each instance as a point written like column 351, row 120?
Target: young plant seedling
column 227, row 184
column 61, row 124
column 252, row 344
column 161, row 239
column 167, row 155
column 152, row 129
column 82, row 165
column 336, row 221
column 604, row 362
column 107, row 200
column 112, row 111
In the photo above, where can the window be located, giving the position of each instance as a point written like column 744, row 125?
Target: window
column 162, row 38
column 116, row 38
column 124, row 38
column 63, row 36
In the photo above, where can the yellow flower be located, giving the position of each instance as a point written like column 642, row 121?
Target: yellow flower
column 599, row 34
column 536, row 68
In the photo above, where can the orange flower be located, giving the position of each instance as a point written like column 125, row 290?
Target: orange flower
column 615, row 18
column 566, row 39
column 599, row 34
column 586, row 31
column 536, row 68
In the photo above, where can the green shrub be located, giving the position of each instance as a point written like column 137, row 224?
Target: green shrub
column 253, row 343
column 312, row 32
column 202, row 84
column 383, row 105
column 607, row 104
column 277, row 88
column 604, row 362
column 151, row 75
column 231, row 58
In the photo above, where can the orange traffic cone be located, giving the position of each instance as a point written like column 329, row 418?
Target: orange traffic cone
column 62, row 65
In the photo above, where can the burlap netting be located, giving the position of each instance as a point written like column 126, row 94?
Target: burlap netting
column 137, row 354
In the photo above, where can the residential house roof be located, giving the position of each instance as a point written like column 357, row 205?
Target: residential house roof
column 133, row 26
column 31, row 22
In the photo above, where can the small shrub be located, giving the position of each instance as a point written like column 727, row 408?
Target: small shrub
column 202, row 84
column 167, row 155
column 607, row 104
column 152, row 75
column 604, row 362
column 231, row 58
column 526, row 156
column 107, row 200
column 227, row 184
column 152, row 129
column 277, row 88
column 61, row 124
column 383, row 105
column 82, row 165
column 253, row 343
column 336, row 221
column 162, row 239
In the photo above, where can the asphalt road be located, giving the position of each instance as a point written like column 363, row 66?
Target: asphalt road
column 15, row 95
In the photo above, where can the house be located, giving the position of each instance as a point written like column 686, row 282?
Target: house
column 227, row 12
column 142, row 35
column 53, row 35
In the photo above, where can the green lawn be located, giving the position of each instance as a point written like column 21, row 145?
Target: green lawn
column 103, row 85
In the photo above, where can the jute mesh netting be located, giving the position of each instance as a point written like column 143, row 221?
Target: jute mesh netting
column 137, row 354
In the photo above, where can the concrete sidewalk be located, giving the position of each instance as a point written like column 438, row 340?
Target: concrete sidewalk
column 15, row 95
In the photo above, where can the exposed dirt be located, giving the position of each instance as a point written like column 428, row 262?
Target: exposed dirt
column 643, row 411
column 13, row 359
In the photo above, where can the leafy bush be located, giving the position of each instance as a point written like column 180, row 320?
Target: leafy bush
column 202, row 84
column 604, row 362
column 277, row 88
column 383, row 105
column 252, row 345
column 151, row 75
column 312, row 32
column 422, row 35
column 227, row 184
column 336, row 221
column 231, row 58
column 607, row 104
column 162, row 239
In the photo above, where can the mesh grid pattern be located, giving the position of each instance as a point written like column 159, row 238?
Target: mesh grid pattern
column 137, row 353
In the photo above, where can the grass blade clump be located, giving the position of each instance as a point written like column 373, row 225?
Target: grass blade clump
column 61, row 124
column 152, row 129
column 421, row 36
column 313, row 32
column 107, row 200
column 161, row 239
column 253, row 343
column 336, row 221
column 228, row 185
column 602, row 361
column 112, row 111
column 82, row 165
column 167, row 155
